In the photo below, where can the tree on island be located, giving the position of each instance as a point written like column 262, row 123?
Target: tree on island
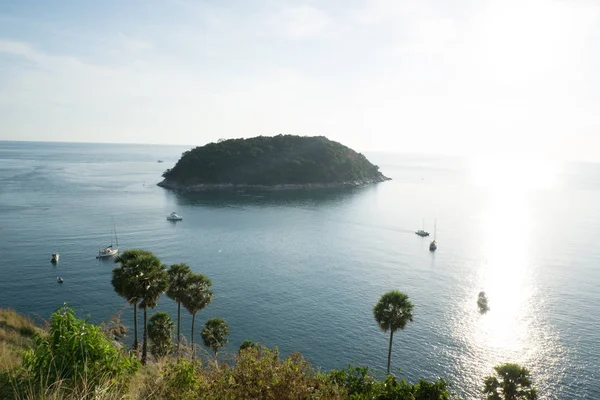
column 197, row 297
column 512, row 382
column 160, row 331
column 179, row 275
column 151, row 282
column 392, row 312
column 123, row 279
column 214, row 335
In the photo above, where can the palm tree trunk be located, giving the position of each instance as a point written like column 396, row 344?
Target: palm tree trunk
column 135, row 330
column 178, row 325
column 145, row 344
column 193, row 349
column 390, row 351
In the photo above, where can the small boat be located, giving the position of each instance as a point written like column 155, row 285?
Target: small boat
column 174, row 217
column 160, row 161
column 111, row 249
column 433, row 244
column 482, row 302
column 59, row 279
column 54, row 258
column 422, row 232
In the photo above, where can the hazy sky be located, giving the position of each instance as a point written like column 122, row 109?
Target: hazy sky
column 439, row 76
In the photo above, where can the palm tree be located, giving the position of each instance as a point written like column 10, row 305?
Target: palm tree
column 514, row 384
column 214, row 335
column 123, row 279
column 197, row 297
column 160, row 330
column 151, row 281
column 179, row 275
column 392, row 312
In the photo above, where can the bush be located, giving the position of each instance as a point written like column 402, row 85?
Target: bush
column 362, row 386
column 73, row 354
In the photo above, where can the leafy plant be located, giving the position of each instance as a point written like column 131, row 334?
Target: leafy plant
column 160, row 331
column 214, row 334
column 73, row 353
column 511, row 382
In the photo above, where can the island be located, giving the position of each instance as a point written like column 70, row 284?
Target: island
column 270, row 163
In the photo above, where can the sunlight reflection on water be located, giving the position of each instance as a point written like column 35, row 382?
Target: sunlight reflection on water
column 511, row 331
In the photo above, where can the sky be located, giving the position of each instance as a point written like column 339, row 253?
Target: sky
column 466, row 77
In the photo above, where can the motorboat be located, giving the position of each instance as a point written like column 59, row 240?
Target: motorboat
column 54, row 258
column 59, row 279
column 482, row 302
column 112, row 249
column 422, row 232
column 174, row 217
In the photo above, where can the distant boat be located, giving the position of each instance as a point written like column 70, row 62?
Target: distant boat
column 159, row 161
column 59, row 279
column 174, row 217
column 112, row 249
column 422, row 232
column 482, row 302
column 433, row 244
column 54, row 258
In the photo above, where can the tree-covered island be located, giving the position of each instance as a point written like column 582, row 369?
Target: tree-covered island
column 271, row 163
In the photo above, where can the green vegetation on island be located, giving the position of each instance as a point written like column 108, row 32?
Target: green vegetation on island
column 73, row 359
column 271, row 161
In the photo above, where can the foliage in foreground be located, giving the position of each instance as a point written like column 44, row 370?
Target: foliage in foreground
column 511, row 382
column 75, row 360
column 73, row 354
column 362, row 386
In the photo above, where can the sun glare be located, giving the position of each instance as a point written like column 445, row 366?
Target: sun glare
column 506, row 271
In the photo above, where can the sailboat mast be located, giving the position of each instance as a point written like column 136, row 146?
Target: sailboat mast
column 115, row 232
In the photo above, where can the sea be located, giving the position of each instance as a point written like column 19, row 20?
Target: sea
column 302, row 270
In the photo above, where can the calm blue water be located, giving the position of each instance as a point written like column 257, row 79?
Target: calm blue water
column 303, row 270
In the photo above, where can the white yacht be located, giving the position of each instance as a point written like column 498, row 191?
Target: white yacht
column 174, row 217
column 111, row 249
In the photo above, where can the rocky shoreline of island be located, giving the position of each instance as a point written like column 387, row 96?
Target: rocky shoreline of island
column 218, row 187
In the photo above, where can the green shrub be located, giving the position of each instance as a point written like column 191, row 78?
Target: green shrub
column 73, row 353
column 182, row 380
column 362, row 386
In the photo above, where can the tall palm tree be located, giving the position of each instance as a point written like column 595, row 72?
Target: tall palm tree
column 122, row 280
column 197, row 297
column 151, row 281
column 514, row 384
column 179, row 275
column 392, row 312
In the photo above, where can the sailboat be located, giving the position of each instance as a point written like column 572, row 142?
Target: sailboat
column 422, row 232
column 112, row 249
column 433, row 244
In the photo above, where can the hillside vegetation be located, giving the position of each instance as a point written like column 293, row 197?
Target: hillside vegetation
column 278, row 160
